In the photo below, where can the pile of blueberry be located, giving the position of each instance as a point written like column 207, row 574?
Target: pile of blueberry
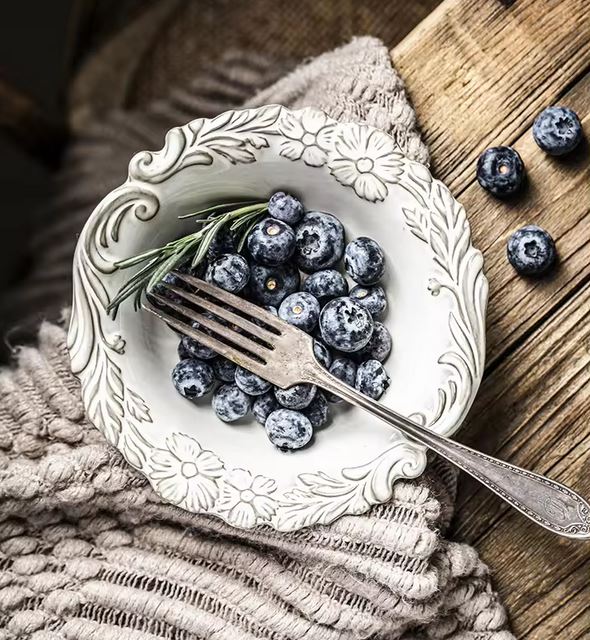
column 500, row 170
column 290, row 267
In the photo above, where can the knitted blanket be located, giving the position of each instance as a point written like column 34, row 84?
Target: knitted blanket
column 87, row 550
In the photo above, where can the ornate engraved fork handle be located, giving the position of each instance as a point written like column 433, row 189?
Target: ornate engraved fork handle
column 546, row 502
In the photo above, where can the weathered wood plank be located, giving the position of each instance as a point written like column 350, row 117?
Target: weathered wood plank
column 534, row 410
column 478, row 73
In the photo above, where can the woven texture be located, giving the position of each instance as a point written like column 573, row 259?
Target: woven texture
column 87, row 550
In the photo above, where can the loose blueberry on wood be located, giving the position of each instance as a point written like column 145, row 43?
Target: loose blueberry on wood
column 285, row 207
column 319, row 241
column 230, row 403
column 379, row 346
column 264, row 405
column 371, row 379
column 271, row 242
column 346, row 325
column 193, row 378
column 557, row 130
column 322, row 353
column 326, row 285
column 318, row 411
column 364, row 261
column 230, row 272
column 373, row 299
column 224, row 369
column 288, row 429
column 296, row 397
column 271, row 285
column 250, row 383
column 500, row 171
column 345, row 370
column 301, row 310
column 531, row 251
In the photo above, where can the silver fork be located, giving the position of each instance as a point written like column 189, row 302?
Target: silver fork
column 283, row 355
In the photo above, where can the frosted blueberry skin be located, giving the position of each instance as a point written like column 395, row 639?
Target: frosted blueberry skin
column 296, row 397
column 345, row 370
column 373, row 299
column 193, row 378
column 250, row 383
column 288, row 429
column 195, row 349
column 345, row 325
column 531, row 251
column 322, row 353
column 264, row 405
column 230, row 403
column 224, row 369
column 326, row 285
column 319, row 241
column 371, row 379
column 271, row 242
column 183, row 354
column 557, row 130
column 223, row 242
column 500, row 171
column 318, row 411
column 364, row 261
column 269, row 286
column 301, row 310
column 379, row 346
column 285, row 207
column 230, row 272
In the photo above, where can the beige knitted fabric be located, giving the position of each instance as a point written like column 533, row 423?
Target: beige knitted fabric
column 88, row 551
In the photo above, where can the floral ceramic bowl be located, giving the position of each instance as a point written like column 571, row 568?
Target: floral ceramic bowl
column 434, row 281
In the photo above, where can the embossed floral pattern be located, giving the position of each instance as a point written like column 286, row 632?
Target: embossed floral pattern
column 246, row 499
column 185, row 474
column 307, row 137
column 366, row 160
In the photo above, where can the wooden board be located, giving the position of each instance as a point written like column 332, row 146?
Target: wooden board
column 478, row 73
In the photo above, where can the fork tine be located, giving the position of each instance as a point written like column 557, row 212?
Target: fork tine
column 230, row 316
column 226, row 332
column 235, row 302
column 238, row 357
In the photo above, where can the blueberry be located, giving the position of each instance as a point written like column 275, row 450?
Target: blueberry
column 319, row 241
column 326, row 285
column 223, row 242
column 264, row 405
column 285, row 207
column 371, row 298
column 183, row 353
column 322, row 353
column 250, row 383
column 531, row 251
column 371, row 379
column 500, row 171
column 161, row 290
column 296, row 397
column 230, row 403
column 271, row 285
column 196, row 349
column 379, row 346
column 557, row 130
column 318, row 411
column 345, row 370
column 288, row 429
column 224, row 369
column 301, row 310
column 346, row 325
column 230, row 272
column 271, row 242
column 364, row 261
column 193, row 378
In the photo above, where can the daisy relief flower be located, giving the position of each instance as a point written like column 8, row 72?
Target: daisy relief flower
column 309, row 135
column 246, row 499
column 185, row 474
column 366, row 160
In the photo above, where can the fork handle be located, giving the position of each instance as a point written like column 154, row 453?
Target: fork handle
column 546, row 502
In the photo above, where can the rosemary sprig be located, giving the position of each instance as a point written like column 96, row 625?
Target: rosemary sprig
column 160, row 261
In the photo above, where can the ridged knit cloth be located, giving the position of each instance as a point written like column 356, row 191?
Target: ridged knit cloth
column 88, row 551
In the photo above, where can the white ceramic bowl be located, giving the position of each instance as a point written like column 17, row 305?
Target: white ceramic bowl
column 435, row 285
